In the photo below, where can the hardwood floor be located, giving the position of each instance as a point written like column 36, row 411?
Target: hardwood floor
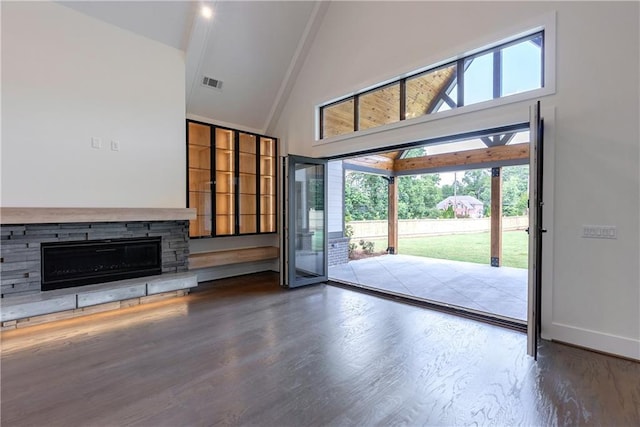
column 244, row 352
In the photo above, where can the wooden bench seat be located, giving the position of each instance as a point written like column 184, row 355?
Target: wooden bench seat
column 232, row 256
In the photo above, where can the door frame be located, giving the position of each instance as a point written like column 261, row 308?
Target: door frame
column 536, row 228
column 498, row 118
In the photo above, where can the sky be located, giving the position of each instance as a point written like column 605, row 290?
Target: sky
column 521, row 65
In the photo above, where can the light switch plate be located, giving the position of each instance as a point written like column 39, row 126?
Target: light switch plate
column 96, row 143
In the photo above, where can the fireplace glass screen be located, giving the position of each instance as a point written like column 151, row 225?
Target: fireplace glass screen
column 67, row 264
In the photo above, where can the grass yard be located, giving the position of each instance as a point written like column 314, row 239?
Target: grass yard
column 466, row 247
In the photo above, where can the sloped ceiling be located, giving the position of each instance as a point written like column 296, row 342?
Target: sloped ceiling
column 168, row 22
column 254, row 47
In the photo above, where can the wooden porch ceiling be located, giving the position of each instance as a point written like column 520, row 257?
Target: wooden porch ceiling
column 423, row 94
column 391, row 164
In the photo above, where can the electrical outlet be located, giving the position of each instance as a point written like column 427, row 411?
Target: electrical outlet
column 96, row 143
column 115, row 145
column 599, row 231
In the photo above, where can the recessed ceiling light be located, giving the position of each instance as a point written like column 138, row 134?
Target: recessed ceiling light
column 206, row 11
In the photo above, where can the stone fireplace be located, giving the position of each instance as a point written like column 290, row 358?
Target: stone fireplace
column 21, row 258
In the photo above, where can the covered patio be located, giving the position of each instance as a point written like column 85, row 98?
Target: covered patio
column 490, row 288
column 479, row 287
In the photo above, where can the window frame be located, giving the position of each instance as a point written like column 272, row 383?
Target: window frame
column 547, row 85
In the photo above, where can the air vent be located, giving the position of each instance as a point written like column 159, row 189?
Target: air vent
column 212, row 83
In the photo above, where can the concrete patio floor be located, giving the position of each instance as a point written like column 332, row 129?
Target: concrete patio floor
column 496, row 290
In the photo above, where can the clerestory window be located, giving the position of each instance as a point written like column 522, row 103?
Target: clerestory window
column 500, row 71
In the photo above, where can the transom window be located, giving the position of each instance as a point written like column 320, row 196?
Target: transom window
column 500, row 71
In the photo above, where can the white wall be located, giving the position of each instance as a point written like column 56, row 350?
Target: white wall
column 335, row 187
column 67, row 78
column 591, row 291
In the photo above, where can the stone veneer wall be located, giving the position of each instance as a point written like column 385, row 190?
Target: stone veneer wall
column 20, row 247
column 338, row 251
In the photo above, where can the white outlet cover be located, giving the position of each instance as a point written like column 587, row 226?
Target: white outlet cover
column 96, row 143
column 115, row 145
column 599, row 231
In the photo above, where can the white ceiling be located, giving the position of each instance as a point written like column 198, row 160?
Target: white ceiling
column 168, row 22
column 254, row 47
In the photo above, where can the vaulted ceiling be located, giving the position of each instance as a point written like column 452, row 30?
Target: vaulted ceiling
column 255, row 48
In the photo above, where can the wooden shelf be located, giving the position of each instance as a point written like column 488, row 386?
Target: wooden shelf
column 224, row 224
column 224, row 139
column 199, row 134
column 67, row 215
column 247, row 223
column 199, row 157
column 247, row 163
column 267, row 223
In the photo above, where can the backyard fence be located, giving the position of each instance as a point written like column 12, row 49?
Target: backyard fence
column 434, row 227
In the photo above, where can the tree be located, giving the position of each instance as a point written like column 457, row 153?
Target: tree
column 515, row 190
column 418, row 196
column 477, row 183
column 449, row 190
column 365, row 196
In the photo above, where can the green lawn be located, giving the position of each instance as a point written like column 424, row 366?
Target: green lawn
column 466, row 247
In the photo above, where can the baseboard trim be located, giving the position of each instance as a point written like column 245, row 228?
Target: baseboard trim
column 602, row 342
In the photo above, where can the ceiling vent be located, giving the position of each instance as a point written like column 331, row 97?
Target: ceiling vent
column 212, row 83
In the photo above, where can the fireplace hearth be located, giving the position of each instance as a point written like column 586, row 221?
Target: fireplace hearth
column 77, row 263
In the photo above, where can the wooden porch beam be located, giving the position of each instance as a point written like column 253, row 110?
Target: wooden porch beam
column 463, row 158
column 376, row 162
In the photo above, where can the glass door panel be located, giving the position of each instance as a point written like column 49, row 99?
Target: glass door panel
column 267, row 185
column 305, row 238
column 199, row 151
column 201, row 226
column 225, row 170
column 247, row 184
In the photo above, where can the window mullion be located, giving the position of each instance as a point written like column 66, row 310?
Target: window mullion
column 460, row 81
column 497, row 73
column 356, row 113
column 403, row 98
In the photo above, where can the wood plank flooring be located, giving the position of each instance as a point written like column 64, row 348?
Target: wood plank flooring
column 242, row 351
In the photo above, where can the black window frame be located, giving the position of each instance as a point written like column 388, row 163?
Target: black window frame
column 462, row 63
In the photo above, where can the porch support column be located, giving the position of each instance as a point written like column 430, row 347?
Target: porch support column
column 393, row 216
column 496, row 217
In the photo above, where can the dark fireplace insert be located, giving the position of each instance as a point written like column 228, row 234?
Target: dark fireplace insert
column 68, row 264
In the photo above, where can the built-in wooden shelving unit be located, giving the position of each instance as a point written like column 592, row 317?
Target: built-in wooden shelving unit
column 239, row 169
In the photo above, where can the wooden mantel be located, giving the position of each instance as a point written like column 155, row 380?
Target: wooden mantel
column 67, row 215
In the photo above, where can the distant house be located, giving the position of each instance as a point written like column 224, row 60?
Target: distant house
column 465, row 206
